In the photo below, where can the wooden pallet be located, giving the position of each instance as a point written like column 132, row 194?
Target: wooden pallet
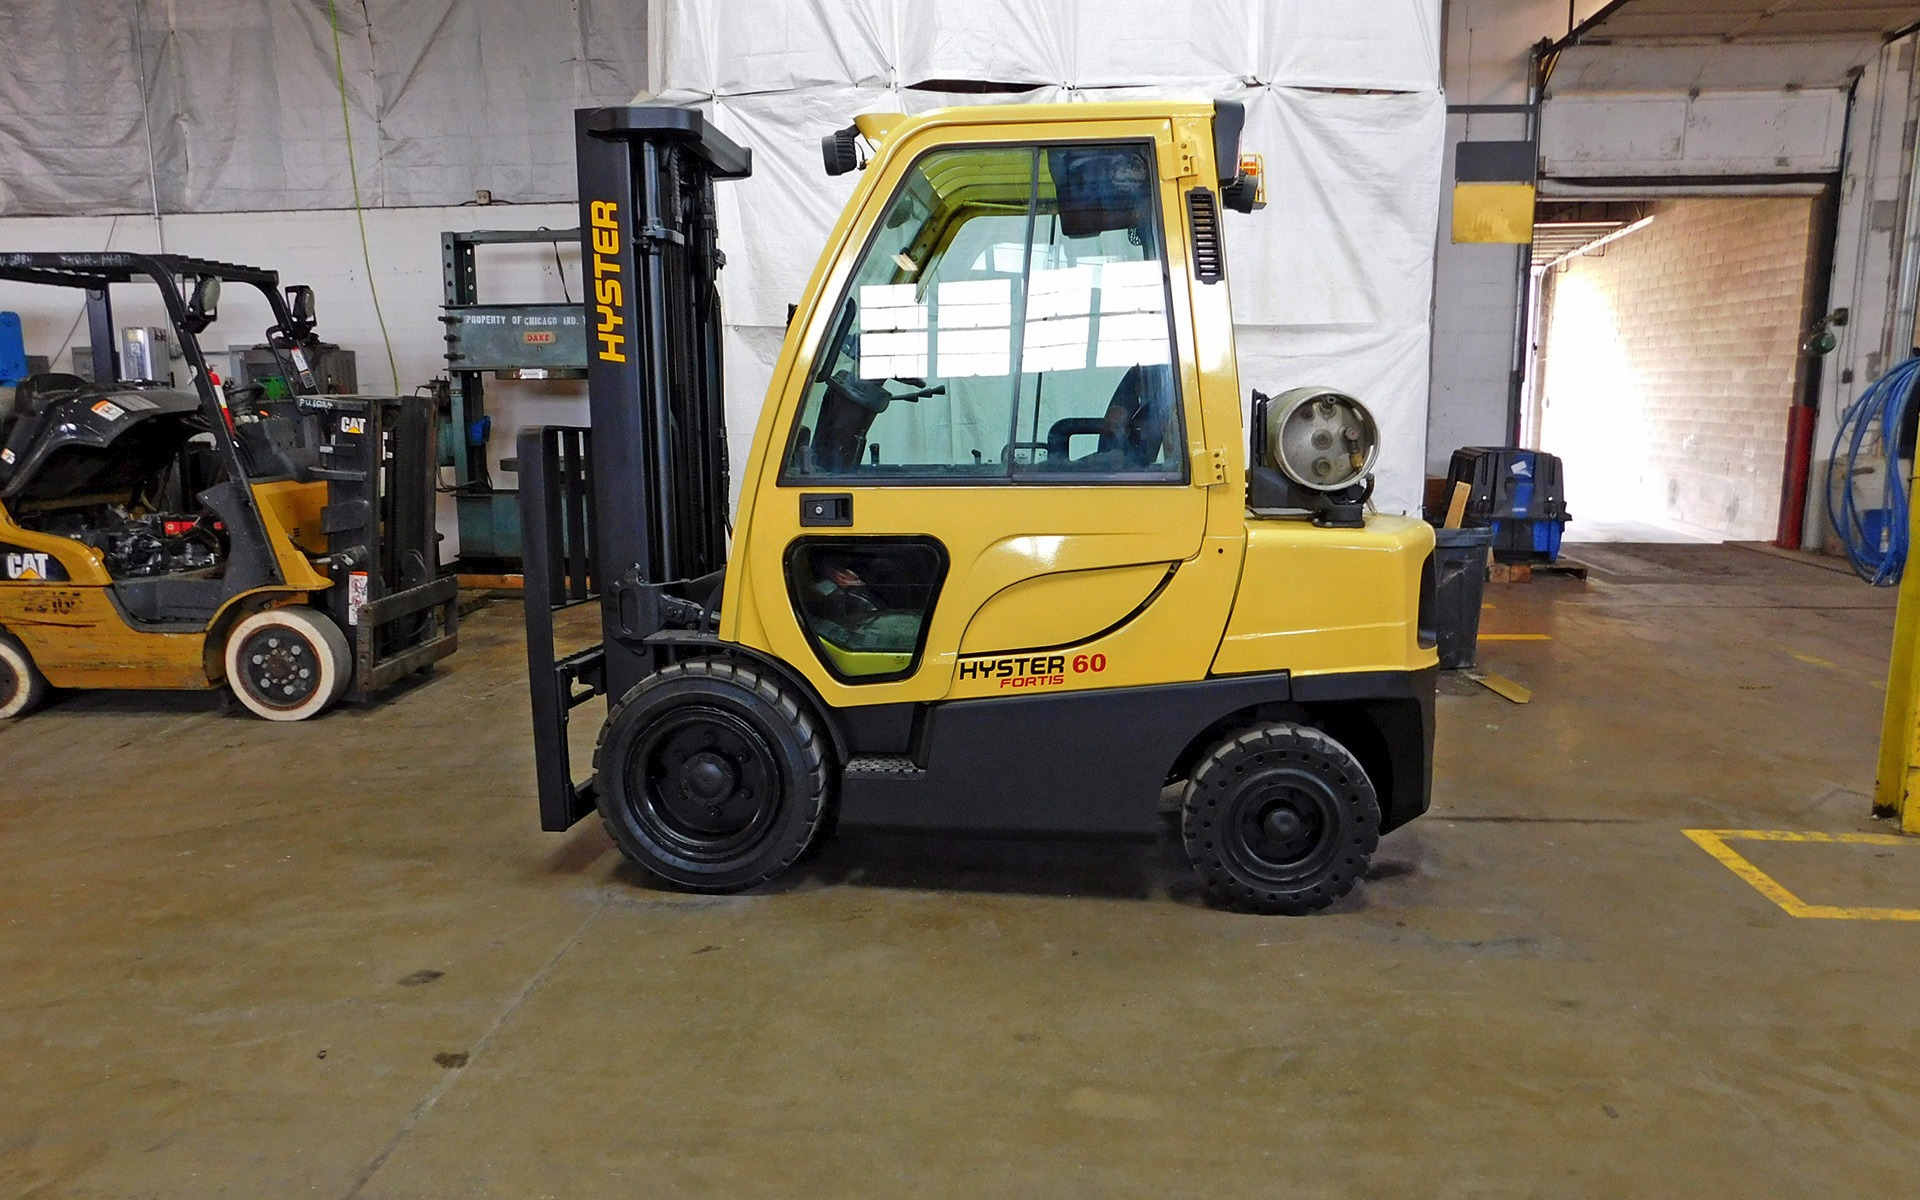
column 1522, row 572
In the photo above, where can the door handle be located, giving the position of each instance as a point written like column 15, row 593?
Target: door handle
column 830, row 509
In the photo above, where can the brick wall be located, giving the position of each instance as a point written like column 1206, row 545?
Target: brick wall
column 1670, row 365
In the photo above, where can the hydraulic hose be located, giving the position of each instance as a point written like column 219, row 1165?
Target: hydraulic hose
column 1875, row 533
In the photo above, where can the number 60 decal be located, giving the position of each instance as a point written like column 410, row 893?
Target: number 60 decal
column 1083, row 663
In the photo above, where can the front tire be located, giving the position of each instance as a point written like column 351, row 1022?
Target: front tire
column 288, row 664
column 1280, row 819
column 22, row 686
column 712, row 775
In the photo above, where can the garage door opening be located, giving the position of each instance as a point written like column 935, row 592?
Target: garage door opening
column 1669, row 357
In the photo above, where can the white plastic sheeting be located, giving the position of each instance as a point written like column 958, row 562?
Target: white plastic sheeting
column 729, row 47
column 1331, row 283
column 116, row 106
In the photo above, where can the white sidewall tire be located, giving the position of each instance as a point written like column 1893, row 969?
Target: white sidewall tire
column 28, row 688
column 331, row 653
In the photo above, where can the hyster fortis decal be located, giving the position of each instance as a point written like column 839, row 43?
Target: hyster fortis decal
column 1031, row 670
column 29, row 566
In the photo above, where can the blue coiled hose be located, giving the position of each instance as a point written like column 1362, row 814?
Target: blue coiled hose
column 1876, row 536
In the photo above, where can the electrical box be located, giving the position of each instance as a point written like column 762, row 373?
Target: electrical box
column 336, row 370
column 146, row 354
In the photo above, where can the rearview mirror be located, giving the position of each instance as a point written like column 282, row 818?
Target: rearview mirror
column 203, row 306
column 1110, row 188
column 300, row 305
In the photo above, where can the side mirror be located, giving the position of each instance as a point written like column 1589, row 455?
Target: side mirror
column 300, row 305
column 840, row 150
column 203, row 305
column 1247, row 192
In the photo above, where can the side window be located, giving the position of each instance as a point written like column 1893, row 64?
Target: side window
column 1008, row 319
column 1097, row 393
column 865, row 601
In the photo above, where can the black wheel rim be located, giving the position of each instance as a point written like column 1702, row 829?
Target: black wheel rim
column 704, row 783
column 280, row 667
column 11, row 683
column 1283, row 823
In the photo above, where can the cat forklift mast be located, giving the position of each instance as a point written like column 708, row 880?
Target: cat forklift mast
column 1006, row 557
column 154, row 536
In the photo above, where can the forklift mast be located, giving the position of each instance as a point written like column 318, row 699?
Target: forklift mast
column 632, row 511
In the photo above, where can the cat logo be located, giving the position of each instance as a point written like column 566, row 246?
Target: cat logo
column 353, row 425
column 28, row 566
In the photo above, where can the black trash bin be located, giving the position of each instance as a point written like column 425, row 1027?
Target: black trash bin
column 1460, row 579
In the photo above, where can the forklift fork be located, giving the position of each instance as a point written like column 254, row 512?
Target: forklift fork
column 562, row 572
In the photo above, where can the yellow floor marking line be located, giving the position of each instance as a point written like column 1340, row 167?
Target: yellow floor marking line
column 1714, row 842
column 1815, row 659
column 1500, row 685
column 1516, row 637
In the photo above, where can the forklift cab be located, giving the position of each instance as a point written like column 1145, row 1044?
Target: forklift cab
column 996, row 565
column 1012, row 340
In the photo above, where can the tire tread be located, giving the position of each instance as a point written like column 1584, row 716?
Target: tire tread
column 1196, row 825
column 798, row 716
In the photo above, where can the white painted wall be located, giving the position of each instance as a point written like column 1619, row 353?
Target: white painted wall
column 1475, row 287
column 322, row 249
column 1875, row 192
column 1474, row 291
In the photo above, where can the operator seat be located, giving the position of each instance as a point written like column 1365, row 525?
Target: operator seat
column 21, row 422
column 1133, row 431
column 32, row 395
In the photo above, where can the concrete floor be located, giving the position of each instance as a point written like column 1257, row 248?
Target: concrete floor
column 338, row 959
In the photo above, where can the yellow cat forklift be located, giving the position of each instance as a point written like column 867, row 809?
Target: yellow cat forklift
column 1002, row 561
column 276, row 540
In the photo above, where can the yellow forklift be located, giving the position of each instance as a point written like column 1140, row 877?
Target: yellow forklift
column 1006, row 558
column 267, row 537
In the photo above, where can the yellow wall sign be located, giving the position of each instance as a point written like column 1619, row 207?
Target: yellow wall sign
column 1499, row 213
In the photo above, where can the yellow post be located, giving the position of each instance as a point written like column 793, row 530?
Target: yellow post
column 1898, row 778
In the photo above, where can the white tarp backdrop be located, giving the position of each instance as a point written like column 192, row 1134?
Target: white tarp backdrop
column 1332, row 282
column 122, row 106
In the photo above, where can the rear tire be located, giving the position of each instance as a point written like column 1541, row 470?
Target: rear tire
column 712, row 775
column 22, row 686
column 288, row 664
column 1280, row 819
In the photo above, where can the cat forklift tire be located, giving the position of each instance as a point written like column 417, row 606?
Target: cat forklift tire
column 1280, row 819
column 712, row 775
column 288, row 664
column 22, row 686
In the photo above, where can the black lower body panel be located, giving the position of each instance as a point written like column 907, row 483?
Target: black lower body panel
column 1386, row 719
column 1095, row 762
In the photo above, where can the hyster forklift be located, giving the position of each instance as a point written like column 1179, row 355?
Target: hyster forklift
column 1001, row 562
column 270, row 538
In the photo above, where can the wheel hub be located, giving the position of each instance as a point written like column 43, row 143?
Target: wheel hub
column 706, row 780
column 280, row 667
column 1285, row 816
column 1286, row 827
column 1282, row 824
